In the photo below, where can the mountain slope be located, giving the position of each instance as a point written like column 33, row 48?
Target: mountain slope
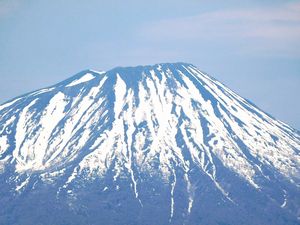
column 146, row 145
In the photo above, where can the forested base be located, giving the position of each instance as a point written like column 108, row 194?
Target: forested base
column 95, row 203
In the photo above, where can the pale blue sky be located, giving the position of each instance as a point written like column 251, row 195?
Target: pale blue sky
column 252, row 45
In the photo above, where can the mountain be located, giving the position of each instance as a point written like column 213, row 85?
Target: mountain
column 161, row 144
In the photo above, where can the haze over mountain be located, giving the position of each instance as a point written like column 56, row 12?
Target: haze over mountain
column 161, row 144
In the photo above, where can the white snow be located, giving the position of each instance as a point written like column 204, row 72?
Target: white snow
column 105, row 189
column 20, row 136
column 3, row 144
column 22, row 185
column 99, row 72
column 45, row 90
column 72, row 177
column 6, row 105
column 4, row 162
column 285, row 200
column 120, row 91
column 190, row 192
column 6, row 124
column 30, row 153
column 173, row 184
column 142, row 126
column 85, row 78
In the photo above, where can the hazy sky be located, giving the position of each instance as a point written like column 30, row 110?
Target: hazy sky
column 251, row 46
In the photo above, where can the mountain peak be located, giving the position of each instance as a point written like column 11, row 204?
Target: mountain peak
column 155, row 66
column 136, row 136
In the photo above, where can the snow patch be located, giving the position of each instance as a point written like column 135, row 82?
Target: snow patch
column 85, row 78
column 9, row 104
column 22, row 185
column 4, row 144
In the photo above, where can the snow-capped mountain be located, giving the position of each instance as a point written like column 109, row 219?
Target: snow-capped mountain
column 162, row 144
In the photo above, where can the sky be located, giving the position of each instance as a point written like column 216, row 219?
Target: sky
column 252, row 46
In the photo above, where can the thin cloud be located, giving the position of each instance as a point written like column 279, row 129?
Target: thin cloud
column 276, row 28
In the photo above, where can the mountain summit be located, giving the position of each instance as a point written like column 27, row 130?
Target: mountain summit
column 161, row 144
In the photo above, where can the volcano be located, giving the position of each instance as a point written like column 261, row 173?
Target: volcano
column 161, row 144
